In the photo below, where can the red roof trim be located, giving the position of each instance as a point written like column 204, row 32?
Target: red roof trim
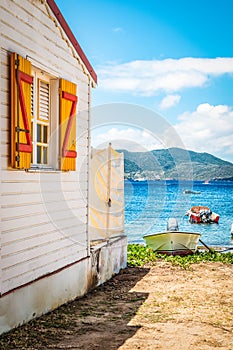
column 72, row 38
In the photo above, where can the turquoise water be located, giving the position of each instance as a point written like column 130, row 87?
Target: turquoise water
column 149, row 204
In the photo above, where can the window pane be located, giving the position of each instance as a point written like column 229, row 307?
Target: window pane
column 45, row 155
column 39, row 154
column 38, row 133
column 45, row 134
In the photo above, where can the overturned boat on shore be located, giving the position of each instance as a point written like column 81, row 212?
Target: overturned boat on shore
column 173, row 241
column 202, row 214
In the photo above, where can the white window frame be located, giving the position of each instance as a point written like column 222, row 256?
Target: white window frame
column 53, row 122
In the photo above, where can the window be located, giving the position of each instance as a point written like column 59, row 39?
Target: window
column 43, row 118
column 40, row 117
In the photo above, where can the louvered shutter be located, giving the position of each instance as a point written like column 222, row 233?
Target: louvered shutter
column 43, row 100
column 21, row 86
column 68, row 102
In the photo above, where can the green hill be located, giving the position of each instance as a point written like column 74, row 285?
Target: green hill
column 175, row 163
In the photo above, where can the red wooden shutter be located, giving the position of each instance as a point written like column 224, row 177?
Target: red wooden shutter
column 68, row 102
column 21, row 81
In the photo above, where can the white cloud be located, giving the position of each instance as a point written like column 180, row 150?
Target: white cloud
column 132, row 139
column 169, row 75
column 208, row 129
column 169, row 101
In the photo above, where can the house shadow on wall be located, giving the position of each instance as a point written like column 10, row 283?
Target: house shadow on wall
column 99, row 320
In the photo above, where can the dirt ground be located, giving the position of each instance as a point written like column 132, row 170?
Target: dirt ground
column 155, row 307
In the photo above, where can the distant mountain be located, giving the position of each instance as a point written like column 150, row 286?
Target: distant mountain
column 175, row 163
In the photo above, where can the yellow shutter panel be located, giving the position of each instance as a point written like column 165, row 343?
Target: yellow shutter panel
column 21, row 81
column 68, row 102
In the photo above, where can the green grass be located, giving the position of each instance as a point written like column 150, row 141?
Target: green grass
column 139, row 255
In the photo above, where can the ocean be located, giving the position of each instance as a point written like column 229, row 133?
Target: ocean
column 149, row 205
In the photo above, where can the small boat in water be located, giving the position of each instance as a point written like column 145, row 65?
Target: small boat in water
column 173, row 241
column 201, row 214
column 207, row 182
column 191, row 192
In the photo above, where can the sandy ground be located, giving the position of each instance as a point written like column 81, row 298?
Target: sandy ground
column 155, row 307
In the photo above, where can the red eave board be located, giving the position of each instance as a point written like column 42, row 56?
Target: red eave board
column 72, row 38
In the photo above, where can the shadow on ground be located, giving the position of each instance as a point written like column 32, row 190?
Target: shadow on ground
column 99, row 320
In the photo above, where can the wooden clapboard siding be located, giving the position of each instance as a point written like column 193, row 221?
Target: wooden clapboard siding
column 47, row 36
column 51, row 45
column 29, row 249
column 23, row 246
column 56, row 219
column 43, row 214
column 56, row 259
column 37, row 207
column 12, row 188
column 4, row 136
column 32, row 252
column 13, row 271
column 37, row 231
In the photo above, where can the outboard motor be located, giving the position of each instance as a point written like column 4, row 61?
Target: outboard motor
column 172, row 225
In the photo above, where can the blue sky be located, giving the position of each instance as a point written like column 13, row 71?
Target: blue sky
column 174, row 58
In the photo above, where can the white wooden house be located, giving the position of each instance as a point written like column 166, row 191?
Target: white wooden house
column 46, row 257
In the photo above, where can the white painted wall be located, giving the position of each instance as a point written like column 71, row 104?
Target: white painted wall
column 49, row 292
column 43, row 214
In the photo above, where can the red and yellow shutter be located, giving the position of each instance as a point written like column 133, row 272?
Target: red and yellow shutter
column 21, row 142
column 68, row 102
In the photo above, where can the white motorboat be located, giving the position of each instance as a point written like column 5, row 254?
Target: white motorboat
column 173, row 241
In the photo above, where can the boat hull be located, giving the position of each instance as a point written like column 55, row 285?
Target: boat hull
column 173, row 243
column 198, row 215
column 197, row 219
